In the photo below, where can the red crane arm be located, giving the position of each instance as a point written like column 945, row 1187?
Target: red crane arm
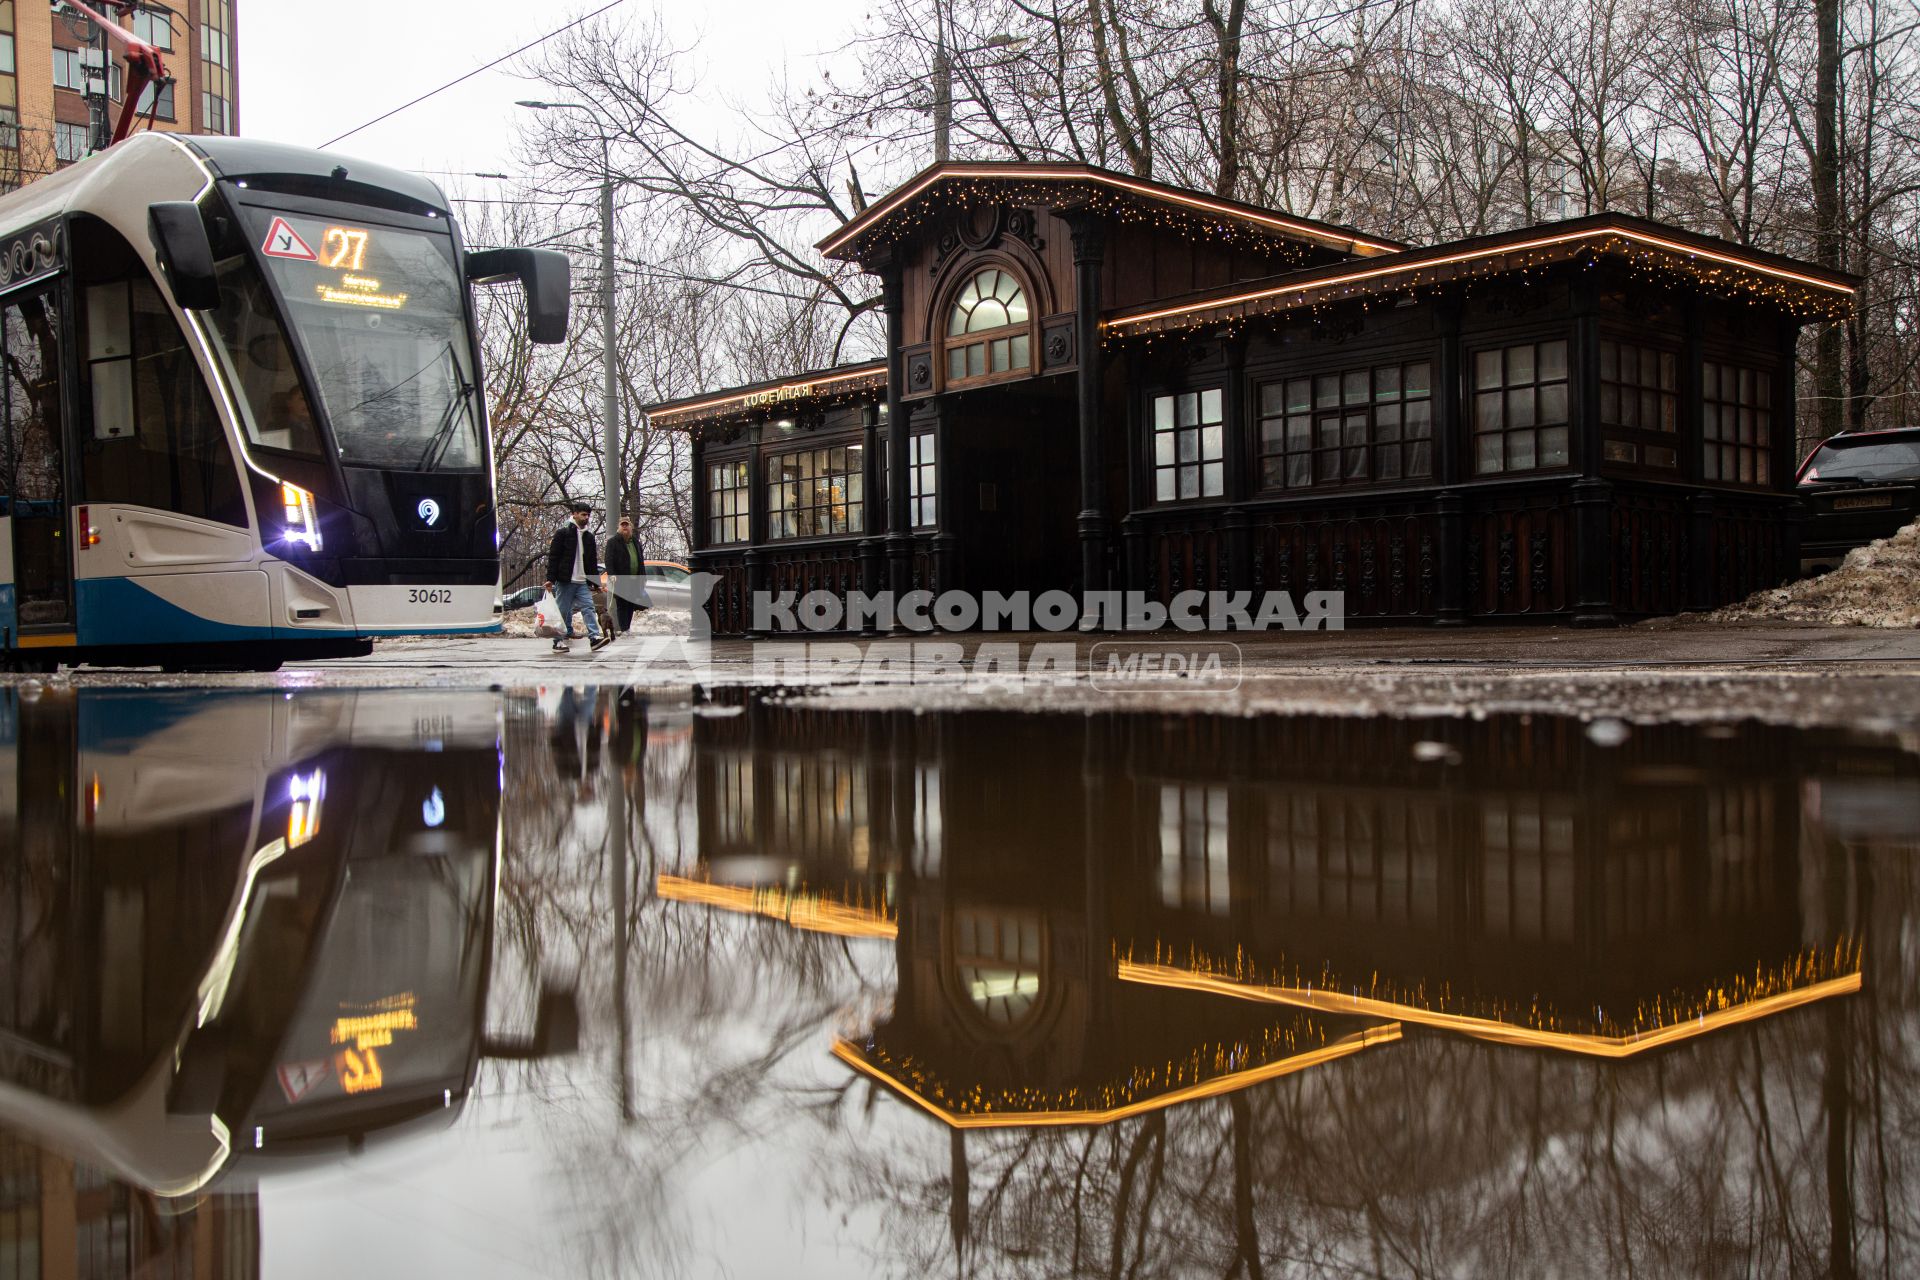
column 144, row 65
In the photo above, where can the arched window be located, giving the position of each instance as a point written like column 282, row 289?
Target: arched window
column 987, row 331
column 998, row 961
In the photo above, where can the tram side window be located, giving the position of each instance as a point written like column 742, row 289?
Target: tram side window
column 33, row 403
column 254, row 347
column 156, row 441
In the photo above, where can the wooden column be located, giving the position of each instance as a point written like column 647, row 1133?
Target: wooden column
column 948, row 518
column 874, row 510
column 1588, row 445
column 1592, row 553
column 1592, row 497
column 1450, row 604
column 756, row 556
column 899, row 523
column 1089, row 258
column 1701, row 591
column 1785, row 447
column 1237, row 426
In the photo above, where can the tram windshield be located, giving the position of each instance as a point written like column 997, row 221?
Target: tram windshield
column 379, row 313
column 393, row 991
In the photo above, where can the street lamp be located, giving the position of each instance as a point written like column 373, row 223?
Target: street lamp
column 943, row 77
column 609, row 399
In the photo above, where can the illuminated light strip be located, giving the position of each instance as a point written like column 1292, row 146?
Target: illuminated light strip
column 1233, row 1081
column 223, row 1147
column 1172, row 195
column 806, row 912
column 878, row 370
column 1324, row 1001
column 216, row 364
column 1546, row 242
column 213, row 987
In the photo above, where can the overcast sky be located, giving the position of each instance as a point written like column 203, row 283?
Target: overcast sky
column 309, row 73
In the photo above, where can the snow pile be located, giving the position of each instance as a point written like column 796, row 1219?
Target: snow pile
column 1878, row 585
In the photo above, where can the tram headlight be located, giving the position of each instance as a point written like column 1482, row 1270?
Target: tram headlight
column 303, row 523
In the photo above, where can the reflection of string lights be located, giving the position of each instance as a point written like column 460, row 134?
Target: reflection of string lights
column 1206, row 1073
column 1813, row 975
column 801, row 908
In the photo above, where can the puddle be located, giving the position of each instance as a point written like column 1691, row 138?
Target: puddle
column 593, row 982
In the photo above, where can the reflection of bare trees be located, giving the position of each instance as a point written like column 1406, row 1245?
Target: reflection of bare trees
column 704, row 1093
column 703, row 1034
column 1779, row 1148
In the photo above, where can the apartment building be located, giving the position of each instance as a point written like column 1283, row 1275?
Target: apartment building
column 62, row 83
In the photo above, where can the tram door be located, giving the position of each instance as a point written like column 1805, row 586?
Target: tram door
column 35, row 468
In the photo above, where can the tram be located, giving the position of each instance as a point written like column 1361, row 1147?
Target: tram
column 241, row 411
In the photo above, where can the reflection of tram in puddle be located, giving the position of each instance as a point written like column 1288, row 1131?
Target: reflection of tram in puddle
column 246, row 929
column 1096, row 915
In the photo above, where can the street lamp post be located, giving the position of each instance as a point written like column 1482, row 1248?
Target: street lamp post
column 943, row 78
column 609, row 388
column 942, row 86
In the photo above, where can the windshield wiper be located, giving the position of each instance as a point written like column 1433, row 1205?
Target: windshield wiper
column 460, row 406
column 462, row 400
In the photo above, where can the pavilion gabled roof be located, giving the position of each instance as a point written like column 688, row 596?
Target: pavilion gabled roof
column 959, row 184
column 1714, row 265
column 817, row 388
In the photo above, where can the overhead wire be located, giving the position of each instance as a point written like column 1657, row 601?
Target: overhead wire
column 611, row 4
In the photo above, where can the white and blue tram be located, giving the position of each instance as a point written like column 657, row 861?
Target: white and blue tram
column 241, row 416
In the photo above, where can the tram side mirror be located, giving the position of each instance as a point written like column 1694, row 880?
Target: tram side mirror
column 556, row 1031
column 544, row 273
column 186, row 257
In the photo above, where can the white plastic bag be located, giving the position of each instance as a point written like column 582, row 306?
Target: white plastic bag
column 546, row 619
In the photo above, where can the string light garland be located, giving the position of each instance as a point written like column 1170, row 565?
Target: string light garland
column 959, row 196
column 1812, row 974
column 822, row 389
column 946, row 187
column 1649, row 259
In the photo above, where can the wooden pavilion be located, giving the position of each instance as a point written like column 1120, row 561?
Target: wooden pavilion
column 1097, row 382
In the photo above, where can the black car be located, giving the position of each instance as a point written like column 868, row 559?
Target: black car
column 1858, row 486
column 524, row 598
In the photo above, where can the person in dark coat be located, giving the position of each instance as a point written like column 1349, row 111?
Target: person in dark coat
column 626, row 570
column 573, row 565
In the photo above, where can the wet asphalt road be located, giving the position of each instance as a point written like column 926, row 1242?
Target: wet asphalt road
column 1783, row 673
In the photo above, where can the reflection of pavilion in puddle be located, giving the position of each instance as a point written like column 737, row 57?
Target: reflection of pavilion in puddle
column 1079, row 905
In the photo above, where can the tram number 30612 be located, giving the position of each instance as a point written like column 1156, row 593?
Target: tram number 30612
column 429, row 595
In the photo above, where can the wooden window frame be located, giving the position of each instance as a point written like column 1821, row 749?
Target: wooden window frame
column 1168, row 462
column 1751, row 437
column 717, row 520
column 1499, row 404
column 1379, row 403
column 805, row 488
column 1020, row 336
column 1631, row 445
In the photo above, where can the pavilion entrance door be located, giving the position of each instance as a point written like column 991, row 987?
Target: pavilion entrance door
column 1014, row 490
